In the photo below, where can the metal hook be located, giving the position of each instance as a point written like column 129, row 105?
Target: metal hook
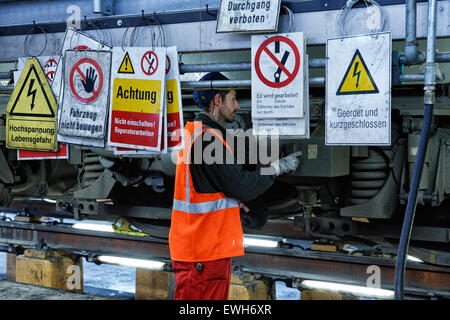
column 96, row 29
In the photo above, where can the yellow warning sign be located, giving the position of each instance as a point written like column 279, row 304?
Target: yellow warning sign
column 357, row 78
column 172, row 96
column 30, row 112
column 126, row 66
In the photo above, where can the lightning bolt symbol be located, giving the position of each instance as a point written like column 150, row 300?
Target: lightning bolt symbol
column 31, row 93
column 356, row 74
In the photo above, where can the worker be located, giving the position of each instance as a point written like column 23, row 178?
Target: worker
column 206, row 230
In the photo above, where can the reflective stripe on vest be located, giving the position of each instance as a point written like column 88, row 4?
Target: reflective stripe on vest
column 204, row 207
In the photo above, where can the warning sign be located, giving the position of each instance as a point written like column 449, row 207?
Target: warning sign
column 248, row 16
column 357, row 78
column 86, row 94
column 73, row 39
column 48, row 64
column 78, row 41
column 50, row 69
column 62, row 153
column 30, row 113
column 126, row 66
column 136, row 115
column 278, row 75
column 358, row 90
column 175, row 124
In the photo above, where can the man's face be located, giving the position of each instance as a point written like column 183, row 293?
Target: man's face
column 229, row 106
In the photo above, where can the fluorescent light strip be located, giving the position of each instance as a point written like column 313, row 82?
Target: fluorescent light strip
column 135, row 263
column 414, row 259
column 356, row 290
column 260, row 242
column 94, row 226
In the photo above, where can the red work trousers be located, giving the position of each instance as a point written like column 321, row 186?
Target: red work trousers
column 211, row 283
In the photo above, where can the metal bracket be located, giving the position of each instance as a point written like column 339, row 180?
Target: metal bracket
column 209, row 12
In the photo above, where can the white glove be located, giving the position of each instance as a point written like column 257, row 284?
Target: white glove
column 287, row 164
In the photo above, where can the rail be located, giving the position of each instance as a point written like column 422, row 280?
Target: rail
column 420, row 279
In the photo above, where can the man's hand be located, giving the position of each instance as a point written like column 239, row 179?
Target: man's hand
column 287, row 164
column 244, row 207
column 90, row 80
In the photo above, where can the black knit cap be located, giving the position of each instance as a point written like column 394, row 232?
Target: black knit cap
column 203, row 97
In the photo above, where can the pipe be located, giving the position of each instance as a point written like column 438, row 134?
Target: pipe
column 215, row 67
column 412, row 77
column 215, row 84
column 412, row 55
column 6, row 89
column 430, row 81
column 236, row 66
column 443, row 57
column 234, row 83
column 5, row 76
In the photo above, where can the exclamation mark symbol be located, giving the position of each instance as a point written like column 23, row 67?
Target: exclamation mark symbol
column 126, row 63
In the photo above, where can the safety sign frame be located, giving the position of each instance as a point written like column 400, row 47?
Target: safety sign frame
column 358, row 90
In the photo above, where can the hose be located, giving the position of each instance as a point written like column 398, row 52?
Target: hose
column 412, row 203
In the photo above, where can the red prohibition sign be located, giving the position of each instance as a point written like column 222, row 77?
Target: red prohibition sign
column 290, row 75
column 151, row 60
column 76, row 68
column 51, row 63
column 50, row 75
column 168, row 64
column 82, row 47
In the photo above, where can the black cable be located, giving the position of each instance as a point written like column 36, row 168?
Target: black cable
column 412, row 203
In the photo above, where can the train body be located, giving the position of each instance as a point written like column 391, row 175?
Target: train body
column 338, row 192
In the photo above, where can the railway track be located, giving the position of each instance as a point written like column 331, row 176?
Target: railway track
column 286, row 262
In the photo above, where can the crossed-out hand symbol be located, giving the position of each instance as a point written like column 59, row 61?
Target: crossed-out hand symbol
column 91, row 77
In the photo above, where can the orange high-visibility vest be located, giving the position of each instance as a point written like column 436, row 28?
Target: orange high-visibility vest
column 204, row 226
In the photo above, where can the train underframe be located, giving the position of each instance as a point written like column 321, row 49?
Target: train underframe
column 338, row 193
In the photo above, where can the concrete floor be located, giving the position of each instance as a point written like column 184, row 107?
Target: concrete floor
column 19, row 291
